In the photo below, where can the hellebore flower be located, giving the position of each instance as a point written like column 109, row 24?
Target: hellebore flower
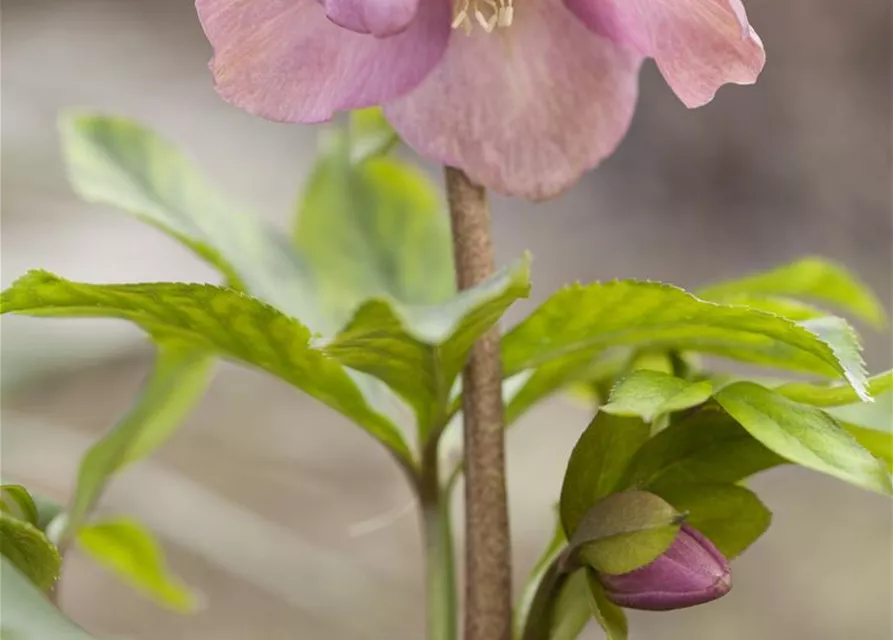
column 532, row 95
column 692, row 571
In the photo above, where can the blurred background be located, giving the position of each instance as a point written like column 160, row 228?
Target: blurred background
column 258, row 499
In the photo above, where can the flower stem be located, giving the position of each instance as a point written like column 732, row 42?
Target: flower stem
column 488, row 607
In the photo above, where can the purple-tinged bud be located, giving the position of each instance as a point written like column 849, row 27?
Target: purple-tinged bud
column 692, row 571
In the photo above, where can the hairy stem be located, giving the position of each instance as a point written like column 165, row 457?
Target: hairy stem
column 488, row 608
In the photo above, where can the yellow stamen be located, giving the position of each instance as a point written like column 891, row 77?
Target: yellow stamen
column 489, row 14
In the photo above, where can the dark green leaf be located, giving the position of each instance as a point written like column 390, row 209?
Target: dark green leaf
column 804, row 435
column 588, row 319
column 373, row 229
column 16, row 502
column 597, row 463
column 212, row 319
column 419, row 351
column 730, row 516
column 25, row 546
column 26, row 614
column 625, row 531
column 128, row 550
column 180, row 377
column 117, row 162
column 647, row 394
column 707, row 447
column 610, row 617
column 370, row 134
column 834, row 395
column 812, row 279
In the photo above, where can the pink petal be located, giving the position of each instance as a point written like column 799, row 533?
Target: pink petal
column 284, row 60
column 381, row 18
column 699, row 45
column 527, row 109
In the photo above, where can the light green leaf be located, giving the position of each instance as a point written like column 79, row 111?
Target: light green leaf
column 610, row 617
column 117, row 162
column 26, row 614
column 419, row 351
column 212, row 319
column 25, row 546
column 370, row 134
column 572, row 609
column 785, row 307
column 597, row 463
column 878, row 443
column 706, row 447
column 875, row 415
column 128, row 550
column 804, row 435
column 811, row 279
column 16, row 502
column 730, row 516
column 588, row 319
column 625, row 531
column 834, row 395
column 532, row 584
column 373, row 229
column 648, row 394
column 179, row 378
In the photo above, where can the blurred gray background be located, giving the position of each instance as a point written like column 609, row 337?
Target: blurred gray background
column 258, row 498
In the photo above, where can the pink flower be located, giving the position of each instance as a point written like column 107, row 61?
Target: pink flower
column 536, row 92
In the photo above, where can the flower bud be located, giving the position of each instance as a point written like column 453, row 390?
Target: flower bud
column 692, row 571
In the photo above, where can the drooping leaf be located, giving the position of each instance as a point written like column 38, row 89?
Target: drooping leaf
column 16, row 502
column 834, row 395
column 373, row 229
column 804, row 435
column 625, row 531
column 730, row 516
column 26, row 614
column 370, row 134
column 706, row 447
column 589, row 319
column 117, row 162
column 419, row 351
column 647, row 394
column 609, row 616
column 597, row 463
column 127, row 549
column 572, row 609
column 537, row 574
column 25, row 546
column 179, row 378
column 811, row 278
column 878, row 443
column 214, row 319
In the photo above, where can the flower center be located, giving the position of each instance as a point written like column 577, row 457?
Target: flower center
column 489, row 14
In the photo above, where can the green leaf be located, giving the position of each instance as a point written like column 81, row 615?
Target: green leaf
column 572, row 609
column 706, row 447
column 597, row 463
column 373, row 229
column 878, row 443
column 730, row 516
column 811, row 279
column 834, row 395
column 804, row 435
column 47, row 510
column 117, row 162
column 625, row 531
column 648, row 394
column 419, row 351
column 785, row 307
column 26, row 614
column 25, row 546
column 128, row 550
column 875, row 415
column 582, row 320
column 179, row 378
column 609, row 616
column 16, row 502
column 537, row 574
column 370, row 134
column 213, row 319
